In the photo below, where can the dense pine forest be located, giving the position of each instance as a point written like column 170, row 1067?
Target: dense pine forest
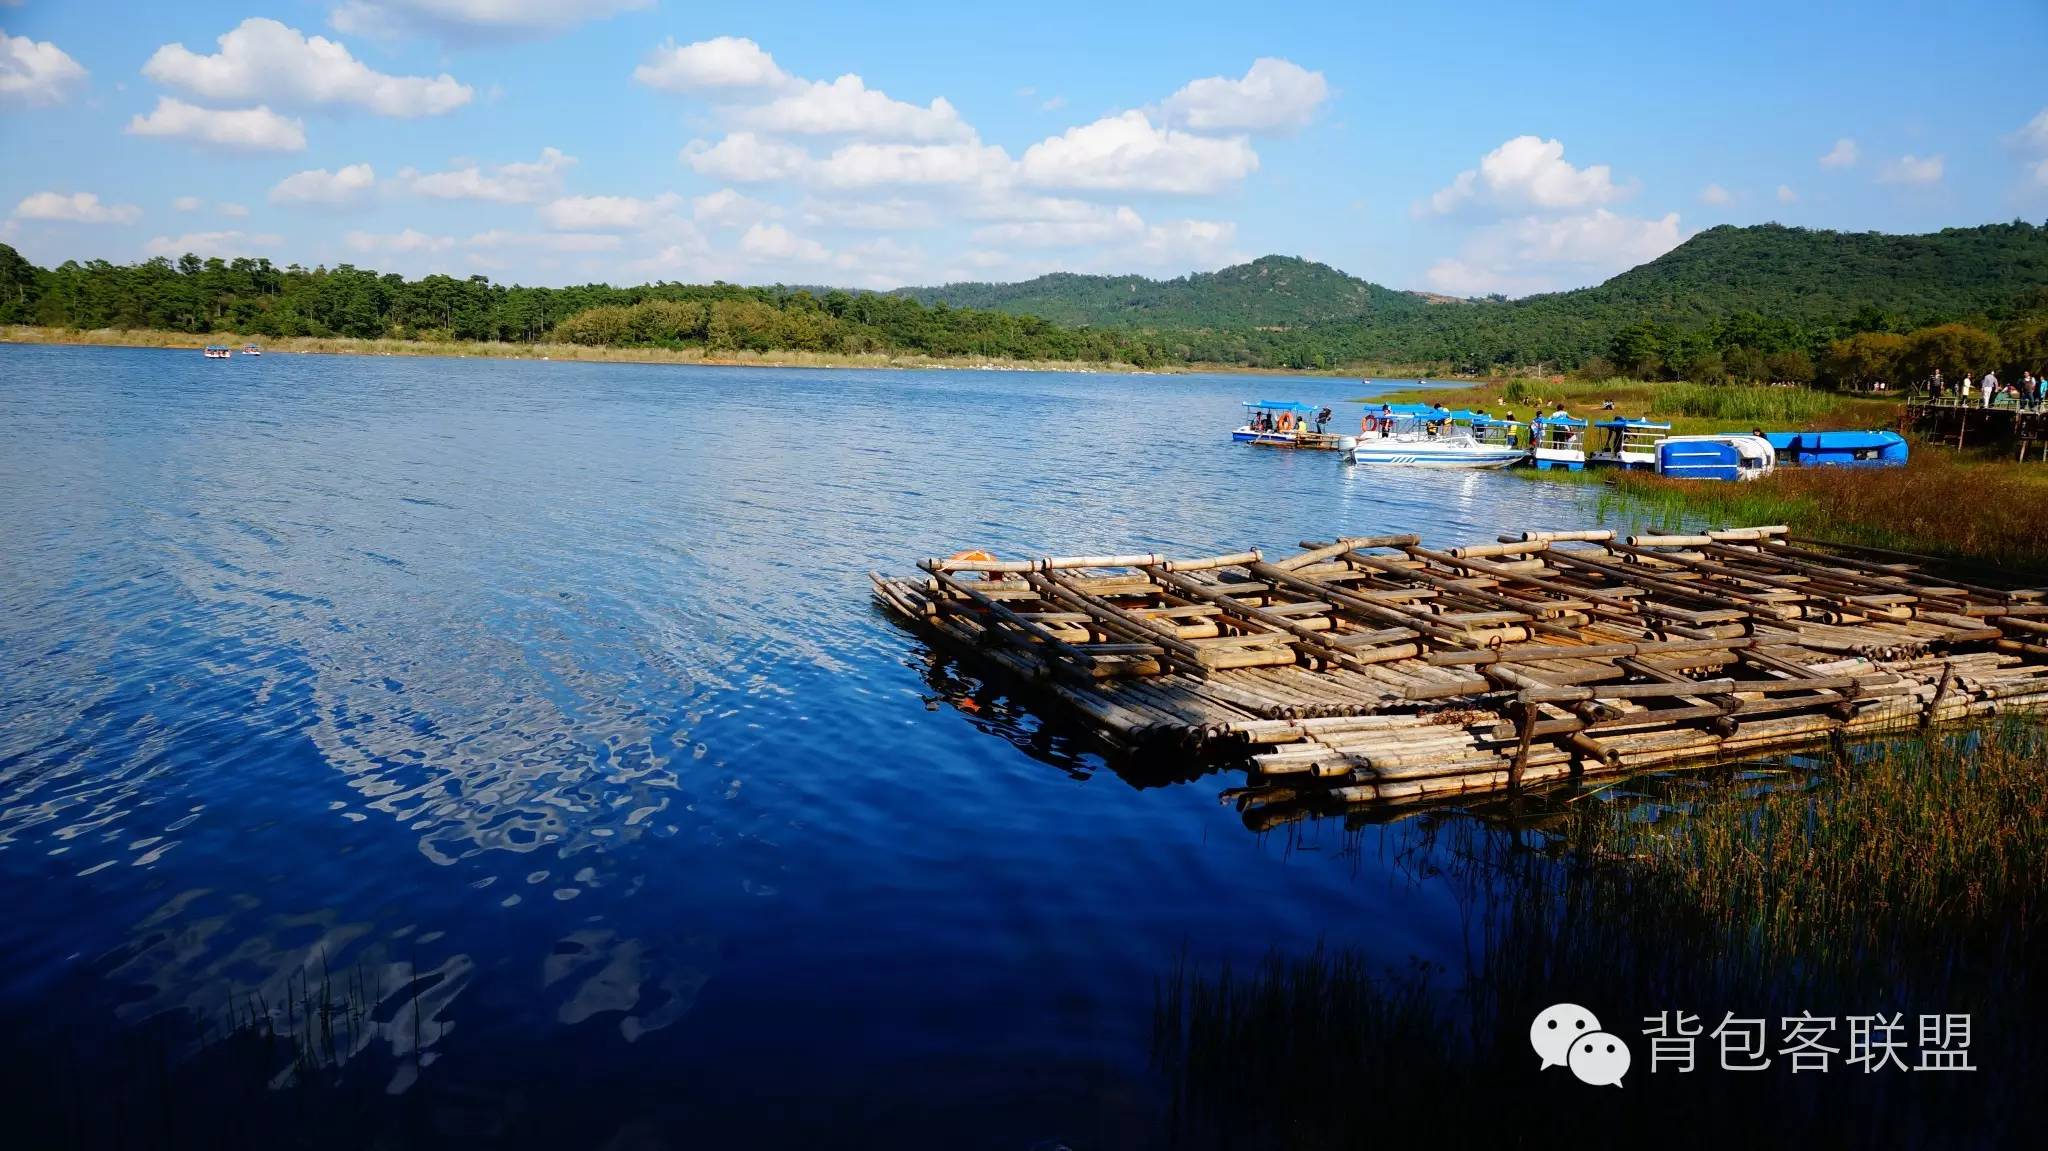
column 1757, row 303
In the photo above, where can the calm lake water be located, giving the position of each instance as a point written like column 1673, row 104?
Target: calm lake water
column 552, row 696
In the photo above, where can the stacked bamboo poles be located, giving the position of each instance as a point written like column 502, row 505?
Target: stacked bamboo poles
column 1376, row 668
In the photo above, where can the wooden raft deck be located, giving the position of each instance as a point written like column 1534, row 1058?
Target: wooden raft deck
column 1377, row 668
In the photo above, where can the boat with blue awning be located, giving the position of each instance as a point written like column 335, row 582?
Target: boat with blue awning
column 1558, row 441
column 1433, row 436
column 1731, row 456
column 1289, row 424
column 1849, row 449
column 1627, row 442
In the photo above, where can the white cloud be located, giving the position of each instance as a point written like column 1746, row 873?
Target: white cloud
column 252, row 129
column 726, row 208
column 1274, row 96
column 1203, row 245
column 1528, row 172
column 606, row 213
column 225, row 244
column 233, row 211
column 882, row 165
column 848, row 107
column 489, row 17
column 1538, row 253
column 187, row 204
column 559, row 242
column 76, row 208
column 1715, row 194
column 775, row 242
column 2035, row 134
column 1095, row 225
column 408, row 242
column 1842, row 155
column 745, row 158
column 518, row 183
column 892, row 214
column 1128, row 152
column 1912, row 170
column 724, row 63
column 1786, row 195
column 345, row 188
column 36, row 71
column 261, row 59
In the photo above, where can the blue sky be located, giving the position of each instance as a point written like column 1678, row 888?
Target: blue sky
column 1471, row 148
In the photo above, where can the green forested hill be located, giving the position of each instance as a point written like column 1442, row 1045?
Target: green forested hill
column 1769, row 288
column 1269, row 292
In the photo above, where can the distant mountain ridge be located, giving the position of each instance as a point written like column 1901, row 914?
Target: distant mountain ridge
column 1269, row 292
column 1806, row 284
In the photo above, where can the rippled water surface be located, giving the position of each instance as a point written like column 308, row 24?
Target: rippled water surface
column 552, row 695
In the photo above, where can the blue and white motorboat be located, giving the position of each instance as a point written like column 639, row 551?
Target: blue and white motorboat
column 1419, row 436
column 1732, row 456
column 1844, row 449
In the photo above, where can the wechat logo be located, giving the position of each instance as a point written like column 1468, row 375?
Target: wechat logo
column 1567, row 1035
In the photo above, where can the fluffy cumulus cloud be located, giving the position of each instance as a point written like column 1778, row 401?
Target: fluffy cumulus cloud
column 721, row 64
column 1537, row 253
column 406, row 243
column 261, row 59
column 187, row 204
column 347, row 188
column 255, row 129
column 468, row 18
column 606, row 213
column 1273, row 96
column 1912, row 170
column 745, row 158
column 1129, row 153
column 515, row 183
column 36, row 71
column 727, row 208
column 1842, row 155
column 2033, row 142
column 1715, row 194
column 848, row 107
column 76, row 208
column 855, row 166
column 224, row 244
column 775, row 243
column 1786, row 195
column 1527, row 172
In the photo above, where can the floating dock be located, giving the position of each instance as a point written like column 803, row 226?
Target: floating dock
column 1380, row 669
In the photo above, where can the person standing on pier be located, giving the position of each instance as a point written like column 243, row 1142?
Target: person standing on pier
column 2030, row 390
column 1989, row 385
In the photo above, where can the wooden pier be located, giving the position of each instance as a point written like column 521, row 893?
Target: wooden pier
column 1381, row 669
column 1959, row 424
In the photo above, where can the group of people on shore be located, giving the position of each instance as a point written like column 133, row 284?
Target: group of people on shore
column 1987, row 391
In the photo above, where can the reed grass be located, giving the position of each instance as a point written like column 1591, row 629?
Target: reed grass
column 1899, row 876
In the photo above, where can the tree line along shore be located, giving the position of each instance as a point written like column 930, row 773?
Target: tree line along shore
column 1677, row 318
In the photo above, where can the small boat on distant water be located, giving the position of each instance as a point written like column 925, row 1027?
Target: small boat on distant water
column 1724, row 457
column 1628, row 443
column 1872, row 449
column 251, row 350
column 218, row 351
column 1419, row 436
column 1287, row 424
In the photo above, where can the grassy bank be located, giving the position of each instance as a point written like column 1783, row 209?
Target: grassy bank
column 1896, row 877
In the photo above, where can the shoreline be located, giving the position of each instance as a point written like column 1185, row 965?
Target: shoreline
column 582, row 353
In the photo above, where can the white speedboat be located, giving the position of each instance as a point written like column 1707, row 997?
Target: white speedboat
column 1429, row 439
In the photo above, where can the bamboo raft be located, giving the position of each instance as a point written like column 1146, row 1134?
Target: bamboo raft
column 1379, row 669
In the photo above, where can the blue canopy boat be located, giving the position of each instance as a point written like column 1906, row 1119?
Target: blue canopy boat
column 1286, row 424
column 1558, row 441
column 1629, row 443
column 1872, row 449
